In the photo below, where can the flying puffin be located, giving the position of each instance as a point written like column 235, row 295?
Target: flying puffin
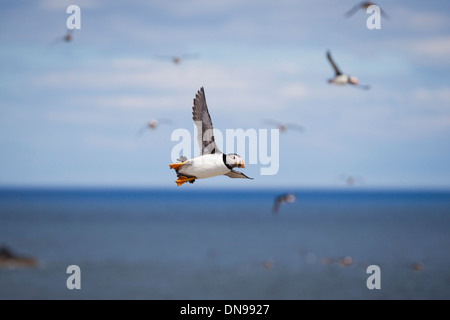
column 343, row 79
column 178, row 58
column 153, row 124
column 284, row 198
column 363, row 5
column 211, row 162
column 283, row 127
column 68, row 37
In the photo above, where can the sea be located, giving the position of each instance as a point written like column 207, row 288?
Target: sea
column 208, row 244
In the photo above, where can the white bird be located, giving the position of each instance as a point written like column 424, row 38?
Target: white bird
column 341, row 78
column 211, row 162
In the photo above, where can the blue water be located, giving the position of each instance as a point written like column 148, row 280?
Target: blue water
column 219, row 244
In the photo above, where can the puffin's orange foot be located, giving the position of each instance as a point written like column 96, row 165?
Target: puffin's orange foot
column 183, row 179
column 177, row 165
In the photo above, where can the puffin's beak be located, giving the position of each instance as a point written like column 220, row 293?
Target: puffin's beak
column 242, row 164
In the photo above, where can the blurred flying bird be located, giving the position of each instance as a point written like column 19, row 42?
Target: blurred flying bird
column 364, row 5
column 284, row 198
column 211, row 162
column 342, row 261
column 418, row 266
column 153, row 124
column 351, row 180
column 9, row 259
column 178, row 58
column 343, row 79
column 283, row 127
column 68, row 37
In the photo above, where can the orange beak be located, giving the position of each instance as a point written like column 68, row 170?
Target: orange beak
column 242, row 164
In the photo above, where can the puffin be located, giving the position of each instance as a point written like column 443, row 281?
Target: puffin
column 343, row 79
column 177, row 59
column 68, row 37
column 153, row 124
column 284, row 198
column 364, row 5
column 211, row 162
column 283, row 127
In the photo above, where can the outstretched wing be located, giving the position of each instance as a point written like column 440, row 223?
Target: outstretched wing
column 202, row 120
column 295, row 126
column 335, row 67
column 276, row 205
column 236, row 174
column 353, row 10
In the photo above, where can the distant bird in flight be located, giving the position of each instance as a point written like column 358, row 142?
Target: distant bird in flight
column 68, row 37
column 364, row 5
column 418, row 266
column 284, row 198
column 343, row 79
column 283, row 127
column 211, row 162
column 342, row 261
column 153, row 124
column 178, row 58
column 351, row 180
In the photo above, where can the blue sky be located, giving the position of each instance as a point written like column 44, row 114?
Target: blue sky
column 69, row 112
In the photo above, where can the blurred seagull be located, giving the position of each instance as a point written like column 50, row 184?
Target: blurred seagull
column 364, row 5
column 283, row 127
column 153, row 124
column 177, row 59
column 284, row 198
column 343, row 79
column 211, row 162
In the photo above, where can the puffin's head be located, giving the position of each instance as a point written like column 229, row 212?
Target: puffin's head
column 153, row 123
column 233, row 160
column 353, row 80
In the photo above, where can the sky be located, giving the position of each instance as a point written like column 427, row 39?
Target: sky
column 69, row 111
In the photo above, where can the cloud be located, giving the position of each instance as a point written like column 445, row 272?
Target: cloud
column 295, row 91
column 434, row 98
column 432, row 49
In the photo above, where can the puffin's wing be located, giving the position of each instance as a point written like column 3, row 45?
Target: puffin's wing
column 335, row 67
column 276, row 205
column 384, row 14
column 295, row 126
column 202, row 120
column 353, row 10
column 189, row 55
column 272, row 122
column 236, row 174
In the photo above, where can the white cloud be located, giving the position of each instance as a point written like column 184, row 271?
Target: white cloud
column 432, row 48
column 434, row 98
column 406, row 18
column 294, row 91
column 137, row 102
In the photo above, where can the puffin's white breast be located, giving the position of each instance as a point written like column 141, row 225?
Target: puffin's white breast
column 341, row 79
column 205, row 166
